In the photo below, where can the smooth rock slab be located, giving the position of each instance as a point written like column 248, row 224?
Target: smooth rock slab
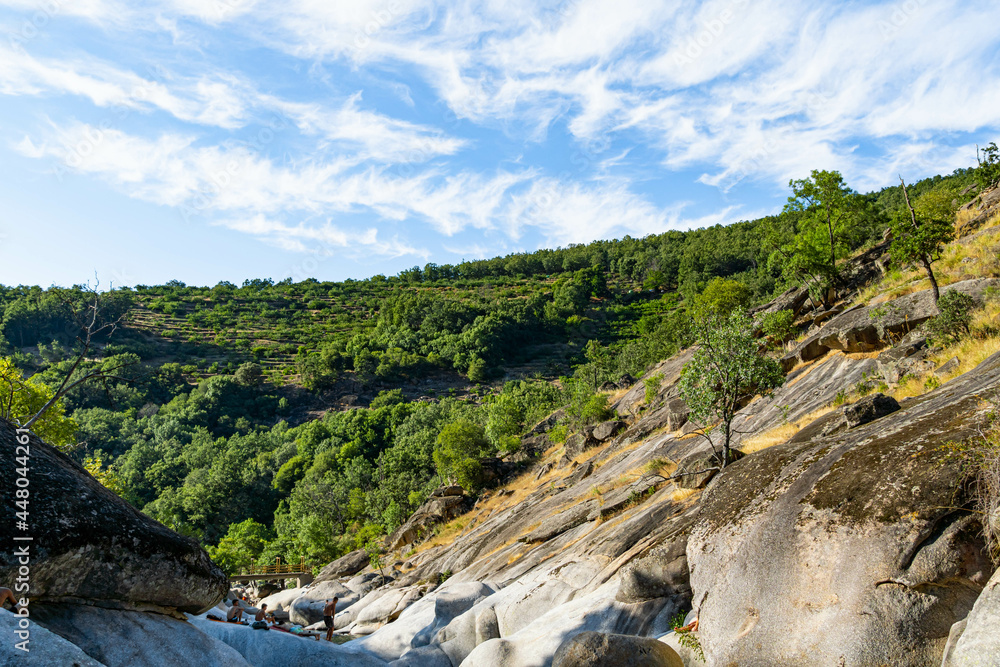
column 44, row 648
column 135, row 639
column 419, row 624
column 598, row 649
column 560, row 523
column 845, row 548
column 979, row 643
column 271, row 648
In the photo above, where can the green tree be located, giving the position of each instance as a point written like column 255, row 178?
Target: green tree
column 460, row 445
column 954, row 319
column 21, row 399
column 478, row 370
column 988, row 172
column 919, row 239
column 242, row 544
column 726, row 371
column 110, row 477
column 778, row 326
column 250, row 374
column 828, row 215
column 721, row 297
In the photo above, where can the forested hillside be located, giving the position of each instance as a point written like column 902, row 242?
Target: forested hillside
column 305, row 420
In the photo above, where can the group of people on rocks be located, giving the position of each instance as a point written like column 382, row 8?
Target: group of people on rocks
column 265, row 620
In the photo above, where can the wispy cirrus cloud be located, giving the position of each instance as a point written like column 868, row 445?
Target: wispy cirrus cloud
column 407, row 124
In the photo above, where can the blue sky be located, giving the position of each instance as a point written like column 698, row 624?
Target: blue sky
column 208, row 140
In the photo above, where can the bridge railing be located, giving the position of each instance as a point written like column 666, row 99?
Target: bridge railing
column 277, row 568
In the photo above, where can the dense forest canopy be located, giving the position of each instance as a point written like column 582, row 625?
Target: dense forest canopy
column 280, row 419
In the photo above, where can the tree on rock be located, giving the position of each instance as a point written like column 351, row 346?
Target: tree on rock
column 726, row 371
column 460, row 445
column 919, row 238
column 828, row 219
column 21, row 398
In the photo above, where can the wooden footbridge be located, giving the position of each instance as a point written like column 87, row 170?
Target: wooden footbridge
column 277, row 572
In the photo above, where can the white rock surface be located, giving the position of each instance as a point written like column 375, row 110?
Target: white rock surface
column 44, row 647
column 281, row 600
column 269, row 648
column 418, row 625
column 136, row 639
column 536, row 641
column 979, row 643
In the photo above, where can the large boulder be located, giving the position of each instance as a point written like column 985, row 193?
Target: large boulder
column 119, row 638
column 304, row 611
column 580, row 442
column 907, row 357
column 984, row 207
column 607, row 430
column 437, row 510
column 282, row 600
column 344, row 566
column 793, row 299
column 386, row 607
column 599, row 649
column 868, row 409
column 662, row 573
column 534, row 621
column 531, row 448
column 89, row 544
column 978, row 640
column 845, row 549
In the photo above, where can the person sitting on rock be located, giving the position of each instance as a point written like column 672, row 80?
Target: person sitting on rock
column 261, row 614
column 329, row 611
column 7, row 595
column 235, row 614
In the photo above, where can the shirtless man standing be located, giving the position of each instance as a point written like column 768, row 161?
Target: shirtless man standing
column 329, row 611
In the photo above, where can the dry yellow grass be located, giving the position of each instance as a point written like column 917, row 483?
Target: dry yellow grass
column 963, row 217
column 782, row 433
column 522, row 486
column 617, row 395
column 662, row 467
column 679, row 495
column 629, row 448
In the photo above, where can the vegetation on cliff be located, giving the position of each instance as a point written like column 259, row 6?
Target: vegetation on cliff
column 280, row 419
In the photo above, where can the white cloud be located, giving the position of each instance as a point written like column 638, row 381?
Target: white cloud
column 734, row 90
column 324, row 240
column 247, row 192
column 374, row 136
column 696, row 79
column 218, row 100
